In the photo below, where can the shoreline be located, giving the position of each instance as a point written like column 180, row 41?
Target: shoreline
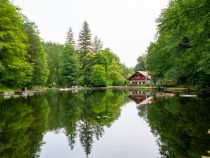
column 19, row 93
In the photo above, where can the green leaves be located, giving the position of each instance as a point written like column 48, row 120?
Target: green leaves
column 180, row 53
column 69, row 66
column 98, row 76
column 36, row 54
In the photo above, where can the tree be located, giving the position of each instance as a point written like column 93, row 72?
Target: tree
column 70, row 66
column 97, row 45
column 87, row 65
column 15, row 70
column 84, row 40
column 141, row 63
column 70, row 37
column 36, row 53
column 180, row 55
column 98, row 76
column 114, row 74
column 53, row 51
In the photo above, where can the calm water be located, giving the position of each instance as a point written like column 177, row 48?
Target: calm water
column 104, row 124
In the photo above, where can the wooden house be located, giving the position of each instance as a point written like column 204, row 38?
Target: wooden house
column 140, row 77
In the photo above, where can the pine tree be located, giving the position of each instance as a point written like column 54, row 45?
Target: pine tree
column 70, row 37
column 97, row 44
column 84, row 42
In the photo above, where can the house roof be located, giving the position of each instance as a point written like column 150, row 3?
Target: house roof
column 144, row 73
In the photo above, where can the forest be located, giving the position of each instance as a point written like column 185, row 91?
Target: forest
column 180, row 54
column 28, row 61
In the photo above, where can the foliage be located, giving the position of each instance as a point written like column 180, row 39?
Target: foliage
column 25, row 60
column 36, row 53
column 70, row 37
column 84, row 42
column 69, row 66
column 97, row 45
column 141, row 63
column 53, row 51
column 180, row 54
column 98, row 76
column 114, row 74
column 87, row 64
column 114, row 71
column 14, row 68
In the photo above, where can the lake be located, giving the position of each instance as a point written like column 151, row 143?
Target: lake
column 105, row 124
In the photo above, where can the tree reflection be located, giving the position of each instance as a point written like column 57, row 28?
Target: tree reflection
column 181, row 125
column 84, row 114
column 22, row 124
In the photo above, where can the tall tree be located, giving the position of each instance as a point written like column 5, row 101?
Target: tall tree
column 84, row 42
column 36, row 53
column 53, row 51
column 180, row 55
column 97, row 44
column 70, row 37
column 70, row 66
column 15, row 70
column 141, row 63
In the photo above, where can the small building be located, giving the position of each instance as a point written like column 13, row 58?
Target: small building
column 140, row 77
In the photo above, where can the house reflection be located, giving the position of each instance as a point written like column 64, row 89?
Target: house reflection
column 145, row 98
column 141, row 98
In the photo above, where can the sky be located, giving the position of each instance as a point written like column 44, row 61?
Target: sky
column 125, row 26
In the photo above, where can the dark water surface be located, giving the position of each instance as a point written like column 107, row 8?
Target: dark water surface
column 105, row 124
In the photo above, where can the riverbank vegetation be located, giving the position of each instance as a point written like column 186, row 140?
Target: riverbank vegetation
column 27, row 61
column 181, row 53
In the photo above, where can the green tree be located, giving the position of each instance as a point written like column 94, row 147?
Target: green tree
column 114, row 74
column 70, row 37
column 36, row 53
column 15, row 70
column 97, row 45
column 87, row 65
column 70, row 66
column 84, row 41
column 180, row 55
column 53, row 51
column 98, row 76
column 141, row 63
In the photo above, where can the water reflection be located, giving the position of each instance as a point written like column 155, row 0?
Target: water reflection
column 84, row 114
column 82, row 119
column 21, row 131
column 181, row 125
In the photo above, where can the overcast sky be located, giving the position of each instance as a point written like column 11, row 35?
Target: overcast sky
column 125, row 26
